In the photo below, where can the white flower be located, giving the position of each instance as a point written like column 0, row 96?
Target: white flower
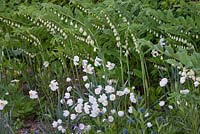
column 92, row 99
column 112, row 97
column 76, row 60
column 55, row 124
column 88, row 128
column 196, row 83
column 154, row 53
column 170, row 107
column 46, row 64
column 102, row 98
column 146, row 115
column 97, row 62
column 132, row 98
column 84, row 63
column 63, row 130
column 163, row 82
column 130, row 109
column 85, row 78
column 149, row 124
column 3, row 103
column 60, row 128
column 33, row 94
column 120, row 93
column 110, row 118
column 109, row 89
column 182, row 80
column 126, row 91
column 104, row 110
column 66, row 113
column 59, row 121
column 14, row 81
column 53, row 85
column 62, row 101
column 68, row 79
column 87, row 85
column 98, row 90
column 80, row 101
column 81, row 126
column 186, row 91
column 73, row 116
column 120, row 113
column 110, row 65
column 70, row 102
column 88, row 69
column 69, row 88
column 67, row 95
column 113, row 111
column 162, row 103
column 79, row 108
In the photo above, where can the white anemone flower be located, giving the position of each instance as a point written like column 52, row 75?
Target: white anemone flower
column 3, row 103
column 110, row 65
column 161, row 103
column 33, row 94
column 53, row 85
column 163, row 82
column 46, row 64
column 149, row 124
column 120, row 113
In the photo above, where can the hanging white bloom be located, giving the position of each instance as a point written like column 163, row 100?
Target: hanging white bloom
column 162, row 42
column 102, row 98
column 182, row 80
column 97, row 90
column 33, row 94
column 79, row 108
column 85, row 78
column 97, row 62
column 132, row 98
column 113, row 111
column 59, row 121
column 70, row 102
column 92, row 99
column 63, row 130
column 120, row 113
column 149, row 124
column 76, row 60
column 66, row 113
column 186, row 91
column 109, row 89
column 81, row 126
column 163, row 82
column 88, row 69
column 80, row 101
column 161, row 103
column 60, row 128
column 84, row 63
column 110, row 118
column 68, row 79
column 53, row 85
column 69, row 88
column 120, row 93
column 146, row 115
column 170, row 107
column 112, row 97
column 55, row 124
column 110, row 65
column 87, row 85
column 62, row 101
column 3, row 103
column 130, row 109
column 46, row 64
column 126, row 91
column 196, row 83
column 73, row 116
column 67, row 95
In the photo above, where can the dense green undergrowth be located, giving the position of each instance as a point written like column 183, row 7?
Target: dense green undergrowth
column 100, row 66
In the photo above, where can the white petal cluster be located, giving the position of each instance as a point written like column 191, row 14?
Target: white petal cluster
column 33, row 94
column 3, row 103
column 53, row 85
column 110, row 65
column 163, row 82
